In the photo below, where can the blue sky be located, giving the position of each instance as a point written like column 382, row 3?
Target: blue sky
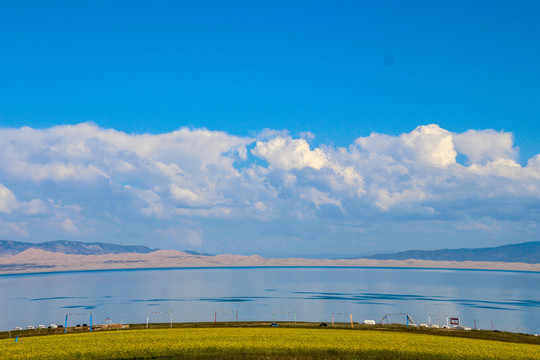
column 319, row 74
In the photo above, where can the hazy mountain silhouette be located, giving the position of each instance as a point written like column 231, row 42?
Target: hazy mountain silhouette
column 71, row 247
column 528, row 252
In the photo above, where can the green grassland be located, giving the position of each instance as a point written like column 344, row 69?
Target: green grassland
column 262, row 343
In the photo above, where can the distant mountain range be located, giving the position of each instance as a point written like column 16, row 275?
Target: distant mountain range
column 71, row 247
column 528, row 252
column 79, row 248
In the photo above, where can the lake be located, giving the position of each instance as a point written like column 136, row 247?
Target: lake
column 508, row 300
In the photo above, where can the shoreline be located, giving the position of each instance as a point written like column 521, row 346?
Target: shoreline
column 34, row 261
column 59, row 272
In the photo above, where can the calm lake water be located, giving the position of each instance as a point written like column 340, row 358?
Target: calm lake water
column 510, row 299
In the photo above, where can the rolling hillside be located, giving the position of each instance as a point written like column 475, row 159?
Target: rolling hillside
column 71, row 247
column 528, row 252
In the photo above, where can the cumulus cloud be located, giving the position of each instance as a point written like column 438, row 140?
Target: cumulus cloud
column 483, row 146
column 425, row 145
column 84, row 181
column 287, row 153
column 431, row 145
column 10, row 204
column 69, row 227
column 7, row 200
column 187, row 196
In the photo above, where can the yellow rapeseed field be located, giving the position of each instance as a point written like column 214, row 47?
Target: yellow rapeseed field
column 260, row 343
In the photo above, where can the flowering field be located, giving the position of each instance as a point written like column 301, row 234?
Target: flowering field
column 260, row 343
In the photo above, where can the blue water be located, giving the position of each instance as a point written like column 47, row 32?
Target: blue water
column 511, row 300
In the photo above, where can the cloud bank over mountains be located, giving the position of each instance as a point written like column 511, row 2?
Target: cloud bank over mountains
column 272, row 193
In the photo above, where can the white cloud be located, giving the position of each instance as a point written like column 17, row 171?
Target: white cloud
column 483, row 146
column 9, row 204
column 287, row 153
column 86, row 181
column 186, row 196
column 69, row 227
column 386, row 199
column 425, row 145
column 317, row 197
column 431, row 145
column 307, row 135
column 8, row 201
column 85, row 152
column 147, row 202
column 33, row 207
column 534, row 162
column 501, row 167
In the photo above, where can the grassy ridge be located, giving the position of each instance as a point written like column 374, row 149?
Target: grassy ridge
column 260, row 343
